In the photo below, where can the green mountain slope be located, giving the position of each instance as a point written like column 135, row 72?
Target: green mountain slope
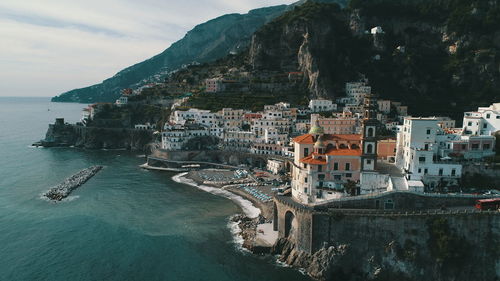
column 206, row 42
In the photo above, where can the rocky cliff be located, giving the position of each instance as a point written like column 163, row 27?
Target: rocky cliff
column 439, row 247
column 440, row 57
column 96, row 138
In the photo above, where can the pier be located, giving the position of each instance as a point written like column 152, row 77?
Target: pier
column 65, row 188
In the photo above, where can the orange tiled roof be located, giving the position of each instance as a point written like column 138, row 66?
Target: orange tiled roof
column 308, row 138
column 310, row 160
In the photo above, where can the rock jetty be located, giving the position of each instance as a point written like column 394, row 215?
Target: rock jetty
column 63, row 189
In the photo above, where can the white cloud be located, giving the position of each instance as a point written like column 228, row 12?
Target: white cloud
column 53, row 46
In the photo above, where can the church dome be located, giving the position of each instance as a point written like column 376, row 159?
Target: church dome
column 316, row 129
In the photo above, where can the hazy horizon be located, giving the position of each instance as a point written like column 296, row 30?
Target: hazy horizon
column 54, row 46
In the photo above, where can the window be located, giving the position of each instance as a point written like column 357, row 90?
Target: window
column 464, row 147
column 453, row 172
column 368, row 161
column 419, row 170
column 347, row 166
column 306, row 151
column 337, row 177
column 348, row 175
column 369, row 148
column 428, row 131
column 441, row 172
column 370, row 132
column 486, row 146
column 320, row 168
column 305, row 179
column 426, row 146
column 426, row 171
column 485, row 126
column 335, row 166
column 488, row 116
column 475, row 146
column 305, row 190
column 421, row 159
column 469, row 124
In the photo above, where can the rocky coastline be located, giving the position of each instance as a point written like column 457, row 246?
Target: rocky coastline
column 64, row 189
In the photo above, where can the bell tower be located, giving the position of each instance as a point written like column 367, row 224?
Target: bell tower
column 370, row 122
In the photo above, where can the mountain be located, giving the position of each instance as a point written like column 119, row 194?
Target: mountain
column 438, row 57
column 206, row 42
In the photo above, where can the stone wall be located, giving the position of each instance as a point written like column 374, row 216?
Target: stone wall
column 390, row 245
column 214, row 156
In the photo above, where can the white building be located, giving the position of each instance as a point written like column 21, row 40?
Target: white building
column 275, row 166
column 175, row 136
column 417, row 153
column 384, row 106
column 231, row 118
column 238, row 140
column 123, row 100
column 484, row 121
column 146, row 126
column 445, row 122
column 194, row 115
column 322, row 105
column 376, row 30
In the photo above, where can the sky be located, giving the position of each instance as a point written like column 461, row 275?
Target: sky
column 51, row 46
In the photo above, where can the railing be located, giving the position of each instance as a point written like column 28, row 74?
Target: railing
column 411, row 213
column 383, row 194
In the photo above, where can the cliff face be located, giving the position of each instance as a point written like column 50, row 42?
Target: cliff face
column 437, row 248
column 440, row 57
column 96, row 138
column 313, row 39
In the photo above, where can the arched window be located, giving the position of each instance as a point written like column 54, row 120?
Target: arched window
column 342, row 146
column 370, row 132
column 369, row 148
column 329, row 147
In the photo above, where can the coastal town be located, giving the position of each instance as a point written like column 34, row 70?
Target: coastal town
column 357, row 151
column 354, row 145
column 298, row 140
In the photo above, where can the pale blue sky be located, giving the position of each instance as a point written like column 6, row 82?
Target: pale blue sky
column 52, row 46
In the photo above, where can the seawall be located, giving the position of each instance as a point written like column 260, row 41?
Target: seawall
column 389, row 245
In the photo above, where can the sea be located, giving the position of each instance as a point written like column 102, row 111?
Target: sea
column 126, row 223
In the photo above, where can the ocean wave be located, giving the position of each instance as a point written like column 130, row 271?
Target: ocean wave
column 235, row 230
column 67, row 199
column 248, row 208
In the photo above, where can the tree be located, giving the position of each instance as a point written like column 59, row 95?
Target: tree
column 351, row 188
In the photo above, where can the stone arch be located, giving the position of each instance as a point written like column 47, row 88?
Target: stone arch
column 369, row 148
column 275, row 217
column 329, row 147
column 370, row 132
column 290, row 223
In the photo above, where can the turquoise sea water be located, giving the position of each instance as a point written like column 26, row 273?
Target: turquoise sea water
column 124, row 224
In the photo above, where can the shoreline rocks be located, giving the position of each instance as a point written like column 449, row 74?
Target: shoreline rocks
column 65, row 188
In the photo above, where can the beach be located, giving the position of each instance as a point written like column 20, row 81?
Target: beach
column 253, row 197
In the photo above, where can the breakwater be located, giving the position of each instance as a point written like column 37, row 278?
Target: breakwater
column 63, row 189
